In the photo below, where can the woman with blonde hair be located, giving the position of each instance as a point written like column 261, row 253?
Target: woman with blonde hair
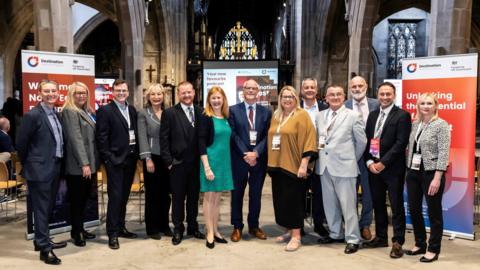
column 215, row 165
column 427, row 163
column 156, row 175
column 291, row 146
column 81, row 156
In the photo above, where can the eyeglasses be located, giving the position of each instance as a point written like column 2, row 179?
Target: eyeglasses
column 81, row 93
column 335, row 95
column 250, row 88
column 288, row 97
column 120, row 90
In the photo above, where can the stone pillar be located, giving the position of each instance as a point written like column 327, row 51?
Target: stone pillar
column 450, row 27
column 173, row 34
column 53, row 25
column 131, row 24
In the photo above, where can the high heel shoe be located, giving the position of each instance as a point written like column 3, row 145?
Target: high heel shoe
column 410, row 252
column 220, row 240
column 427, row 260
column 210, row 245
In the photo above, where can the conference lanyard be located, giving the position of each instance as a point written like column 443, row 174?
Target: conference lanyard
column 284, row 122
column 419, row 135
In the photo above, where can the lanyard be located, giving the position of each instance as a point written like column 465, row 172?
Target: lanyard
column 284, row 122
column 419, row 134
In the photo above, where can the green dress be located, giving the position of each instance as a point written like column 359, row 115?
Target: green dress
column 219, row 159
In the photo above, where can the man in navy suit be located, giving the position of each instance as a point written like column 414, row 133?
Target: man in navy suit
column 249, row 122
column 6, row 145
column 117, row 144
column 40, row 148
column 312, row 105
column 363, row 105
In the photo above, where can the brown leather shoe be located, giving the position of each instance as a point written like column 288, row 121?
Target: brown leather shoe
column 258, row 233
column 366, row 234
column 397, row 251
column 236, row 235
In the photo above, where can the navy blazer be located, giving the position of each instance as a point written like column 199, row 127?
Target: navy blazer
column 113, row 133
column 241, row 140
column 6, row 144
column 36, row 146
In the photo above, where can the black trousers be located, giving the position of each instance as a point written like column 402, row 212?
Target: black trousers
column 288, row 194
column 417, row 187
column 157, row 197
column 185, row 183
column 379, row 186
column 43, row 196
column 119, row 184
column 79, row 189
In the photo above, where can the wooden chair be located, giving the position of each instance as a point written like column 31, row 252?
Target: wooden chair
column 7, row 185
column 101, row 186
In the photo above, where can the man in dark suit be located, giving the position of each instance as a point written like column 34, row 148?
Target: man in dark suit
column 363, row 105
column 388, row 129
column 179, row 149
column 40, row 148
column 312, row 105
column 6, row 145
column 117, row 144
column 249, row 122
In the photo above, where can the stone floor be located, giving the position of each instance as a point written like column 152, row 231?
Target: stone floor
column 141, row 253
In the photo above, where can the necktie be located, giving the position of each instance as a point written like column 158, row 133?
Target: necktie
column 191, row 115
column 250, row 116
column 378, row 130
column 59, row 131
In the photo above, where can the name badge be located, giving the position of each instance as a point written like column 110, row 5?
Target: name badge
column 131, row 134
column 416, row 161
column 321, row 141
column 375, row 147
column 276, row 142
column 253, row 137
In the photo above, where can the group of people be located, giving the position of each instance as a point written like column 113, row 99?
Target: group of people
column 304, row 144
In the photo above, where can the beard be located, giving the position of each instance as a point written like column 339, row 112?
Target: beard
column 359, row 96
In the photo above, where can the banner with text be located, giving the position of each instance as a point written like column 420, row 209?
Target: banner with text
column 63, row 69
column 453, row 79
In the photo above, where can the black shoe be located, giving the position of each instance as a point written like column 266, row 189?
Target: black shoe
column 168, row 232
column 321, row 230
column 376, row 243
column 302, row 232
column 426, row 260
column 126, row 234
column 49, row 257
column 329, row 240
column 177, row 238
column 219, row 240
column 54, row 245
column 88, row 235
column 155, row 236
column 351, row 248
column 210, row 245
column 113, row 242
column 416, row 252
column 197, row 234
column 78, row 240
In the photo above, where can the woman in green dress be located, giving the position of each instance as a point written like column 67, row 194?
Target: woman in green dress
column 215, row 165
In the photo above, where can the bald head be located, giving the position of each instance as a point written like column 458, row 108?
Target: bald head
column 4, row 124
column 358, row 88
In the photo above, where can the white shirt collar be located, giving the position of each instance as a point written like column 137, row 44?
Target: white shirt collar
column 388, row 109
column 254, row 106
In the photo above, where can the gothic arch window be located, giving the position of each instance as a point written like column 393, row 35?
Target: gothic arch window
column 238, row 44
column 402, row 42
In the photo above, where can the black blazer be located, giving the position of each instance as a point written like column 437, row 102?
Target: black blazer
column 113, row 133
column 36, row 146
column 178, row 139
column 393, row 141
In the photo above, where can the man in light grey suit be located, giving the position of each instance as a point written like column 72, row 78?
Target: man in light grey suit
column 341, row 142
column 363, row 105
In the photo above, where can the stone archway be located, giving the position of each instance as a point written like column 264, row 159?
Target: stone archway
column 87, row 28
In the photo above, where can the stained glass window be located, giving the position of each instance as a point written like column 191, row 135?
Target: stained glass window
column 401, row 44
column 238, row 44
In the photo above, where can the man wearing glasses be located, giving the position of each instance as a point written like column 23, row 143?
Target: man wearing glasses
column 249, row 122
column 117, row 144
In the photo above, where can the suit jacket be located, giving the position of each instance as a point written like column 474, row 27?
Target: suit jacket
column 372, row 104
column 81, row 148
column 344, row 145
column 36, row 146
column 148, row 133
column 320, row 104
column 240, row 142
column 6, row 144
column 434, row 145
column 178, row 139
column 113, row 133
column 393, row 140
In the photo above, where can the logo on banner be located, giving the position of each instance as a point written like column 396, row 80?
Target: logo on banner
column 32, row 61
column 412, row 68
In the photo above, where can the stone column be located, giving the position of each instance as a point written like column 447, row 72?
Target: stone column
column 450, row 27
column 53, row 25
column 131, row 24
